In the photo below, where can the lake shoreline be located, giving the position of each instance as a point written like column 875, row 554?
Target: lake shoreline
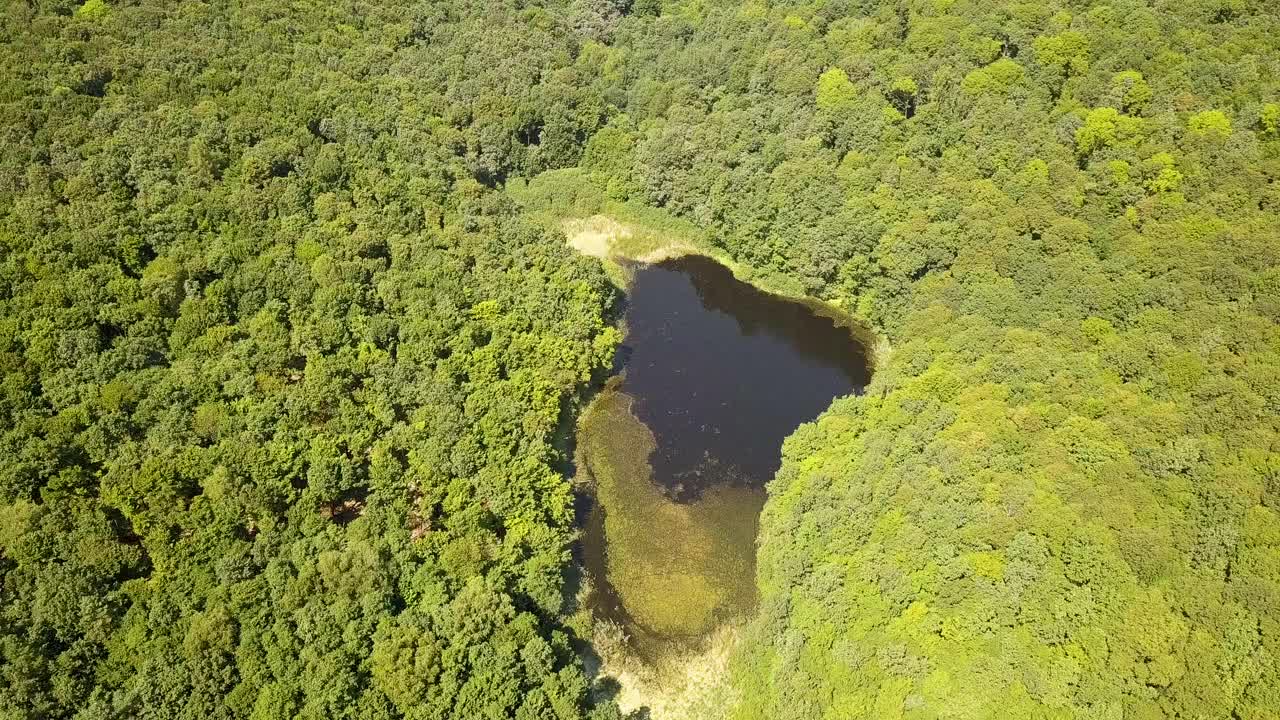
column 667, row 551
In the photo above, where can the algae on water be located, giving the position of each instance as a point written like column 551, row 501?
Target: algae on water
column 678, row 568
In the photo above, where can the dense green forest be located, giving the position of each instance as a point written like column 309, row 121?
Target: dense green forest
column 287, row 375
column 283, row 379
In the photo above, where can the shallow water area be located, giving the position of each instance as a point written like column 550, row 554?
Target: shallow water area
column 715, row 374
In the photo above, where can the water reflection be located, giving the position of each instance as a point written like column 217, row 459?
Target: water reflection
column 722, row 372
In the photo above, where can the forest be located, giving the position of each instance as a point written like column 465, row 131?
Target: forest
column 289, row 372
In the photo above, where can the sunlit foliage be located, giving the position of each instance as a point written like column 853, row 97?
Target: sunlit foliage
column 284, row 375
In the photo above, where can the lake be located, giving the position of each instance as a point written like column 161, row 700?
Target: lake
column 713, row 375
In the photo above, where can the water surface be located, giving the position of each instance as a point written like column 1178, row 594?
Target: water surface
column 722, row 372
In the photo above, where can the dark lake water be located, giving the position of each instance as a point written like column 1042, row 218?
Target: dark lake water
column 722, row 373
column 715, row 374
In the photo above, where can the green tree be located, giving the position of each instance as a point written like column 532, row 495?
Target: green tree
column 1210, row 123
column 1270, row 119
column 1105, row 128
column 834, row 92
column 1131, row 92
column 999, row 77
